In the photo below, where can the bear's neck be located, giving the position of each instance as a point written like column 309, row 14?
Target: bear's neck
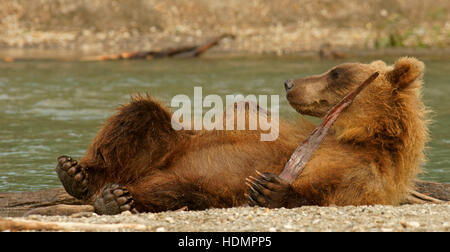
column 400, row 134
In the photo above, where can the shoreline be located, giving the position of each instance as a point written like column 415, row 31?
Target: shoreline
column 283, row 27
column 30, row 54
column 378, row 218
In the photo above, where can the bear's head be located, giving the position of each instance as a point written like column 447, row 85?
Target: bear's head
column 315, row 95
column 387, row 105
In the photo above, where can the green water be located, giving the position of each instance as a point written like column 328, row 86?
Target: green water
column 49, row 108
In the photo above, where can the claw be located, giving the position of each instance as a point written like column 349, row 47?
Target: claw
column 266, row 190
column 260, row 182
column 251, row 187
column 252, row 180
column 251, row 200
column 273, row 179
column 263, row 175
column 258, row 185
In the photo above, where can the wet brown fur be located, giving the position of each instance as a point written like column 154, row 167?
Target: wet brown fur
column 370, row 157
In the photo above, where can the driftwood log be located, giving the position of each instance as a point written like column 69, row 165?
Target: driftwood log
column 46, row 202
column 23, row 225
column 176, row 52
column 179, row 52
column 57, row 202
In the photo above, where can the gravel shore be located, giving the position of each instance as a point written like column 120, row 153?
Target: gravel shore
column 427, row 217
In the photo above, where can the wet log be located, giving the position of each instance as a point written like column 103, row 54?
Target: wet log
column 179, row 52
column 61, row 209
column 433, row 189
column 19, row 203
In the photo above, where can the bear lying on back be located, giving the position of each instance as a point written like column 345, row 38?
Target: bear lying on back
column 371, row 156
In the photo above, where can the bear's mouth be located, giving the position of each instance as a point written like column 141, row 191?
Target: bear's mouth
column 316, row 109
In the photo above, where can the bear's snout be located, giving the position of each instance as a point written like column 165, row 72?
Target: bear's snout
column 288, row 85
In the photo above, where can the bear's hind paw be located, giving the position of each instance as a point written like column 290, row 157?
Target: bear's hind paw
column 72, row 176
column 114, row 200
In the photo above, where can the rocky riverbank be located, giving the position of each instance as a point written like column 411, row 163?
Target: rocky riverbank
column 406, row 218
column 261, row 27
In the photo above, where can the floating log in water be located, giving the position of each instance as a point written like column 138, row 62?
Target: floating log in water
column 180, row 52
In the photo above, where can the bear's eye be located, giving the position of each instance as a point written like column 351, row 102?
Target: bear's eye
column 334, row 74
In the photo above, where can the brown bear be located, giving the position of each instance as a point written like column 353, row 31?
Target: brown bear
column 370, row 156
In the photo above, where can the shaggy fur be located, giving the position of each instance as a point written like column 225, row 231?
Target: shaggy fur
column 370, row 157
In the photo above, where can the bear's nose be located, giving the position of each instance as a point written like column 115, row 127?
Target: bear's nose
column 288, row 85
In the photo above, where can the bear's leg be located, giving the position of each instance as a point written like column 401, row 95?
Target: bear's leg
column 136, row 140
column 165, row 192
column 162, row 191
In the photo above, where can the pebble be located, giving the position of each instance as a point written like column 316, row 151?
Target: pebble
column 82, row 214
column 288, row 226
column 413, row 224
column 161, row 229
column 126, row 213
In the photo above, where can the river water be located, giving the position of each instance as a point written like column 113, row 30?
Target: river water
column 49, row 108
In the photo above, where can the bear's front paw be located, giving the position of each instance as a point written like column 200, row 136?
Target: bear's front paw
column 72, row 176
column 267, row 190
column 114, row 200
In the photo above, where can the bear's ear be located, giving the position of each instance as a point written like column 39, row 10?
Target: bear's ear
column 379, row 64
column 406, row 70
